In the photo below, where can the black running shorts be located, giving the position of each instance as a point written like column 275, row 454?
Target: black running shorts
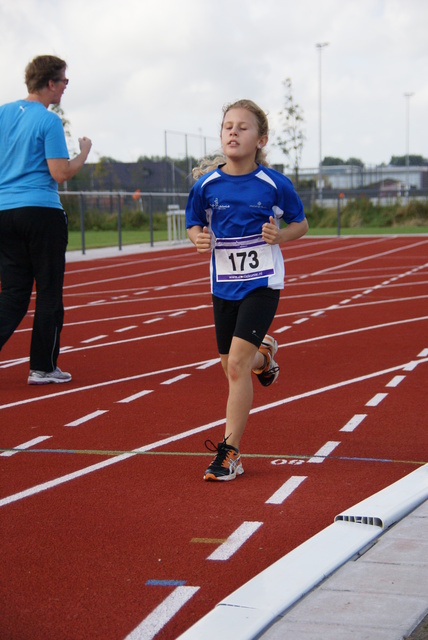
column 249, row 318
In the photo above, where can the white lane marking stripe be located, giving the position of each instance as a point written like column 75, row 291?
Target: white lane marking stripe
column 163, row 613
column 286, row 490
column 395, row 381
column 107, row 383
column 25, row 445
column 191, row 432
column 412, row 365
column 322, row 453
column 366, row 258
column 289, row 344
column 209, row 363
column 94, row 339
column 354, row 422
column 235, row 541
column 176, row 379
column 282, row 329
column 135, row 396
column 86, row 418
column 376, row 400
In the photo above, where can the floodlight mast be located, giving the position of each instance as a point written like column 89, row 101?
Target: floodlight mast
column 320, row 46
column 408, row 96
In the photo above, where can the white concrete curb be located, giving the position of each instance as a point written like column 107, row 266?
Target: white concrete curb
column 252, row 608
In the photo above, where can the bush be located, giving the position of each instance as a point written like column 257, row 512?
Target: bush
column 362, row 212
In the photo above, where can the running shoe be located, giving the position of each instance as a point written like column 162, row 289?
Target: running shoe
column 270, row 371
column 47, row 377
column 227, row 463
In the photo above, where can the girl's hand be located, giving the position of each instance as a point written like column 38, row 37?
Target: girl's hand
column 203, row 241
column 270, row 232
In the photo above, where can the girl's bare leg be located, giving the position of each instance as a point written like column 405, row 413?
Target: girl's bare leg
column 242, row 358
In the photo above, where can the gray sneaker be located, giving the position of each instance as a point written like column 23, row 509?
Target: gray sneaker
column 47, row 377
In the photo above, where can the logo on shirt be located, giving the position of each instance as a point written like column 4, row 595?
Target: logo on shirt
column 259, row 205
column 216, row 206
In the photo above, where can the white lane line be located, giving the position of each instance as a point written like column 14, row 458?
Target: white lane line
column 235, row 541
column 94, row 339
column 25, row 445
column 208, row 364
column 13, row 363
column 327, row 336
column 26, row 493
column 163, row 613
column 89, row 416
column 131, row 326
column 300, row 320
column 376, row 400
column 282, row 329
column 354, row 422
column 286, row 490
column 152, row 320
column 367, row 258
column 395, row 381
column 411, row 365
column 140, row 394
column 322, row 453
column 423, row 353
column 176, row 379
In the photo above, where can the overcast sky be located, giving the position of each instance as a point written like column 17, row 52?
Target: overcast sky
column 140, row 68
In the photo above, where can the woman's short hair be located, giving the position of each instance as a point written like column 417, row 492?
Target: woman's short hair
column 40, row 70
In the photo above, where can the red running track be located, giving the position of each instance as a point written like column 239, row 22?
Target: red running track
column 106, row 524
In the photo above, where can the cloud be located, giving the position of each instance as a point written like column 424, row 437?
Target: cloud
column 141, row 71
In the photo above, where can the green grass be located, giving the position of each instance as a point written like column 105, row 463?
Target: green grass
column 354, row 231
column 99, row 239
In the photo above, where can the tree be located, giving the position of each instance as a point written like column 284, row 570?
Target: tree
column 331, row 161
column 56, row 108
column 293, row 138
column 356, row 162
column 414, row 161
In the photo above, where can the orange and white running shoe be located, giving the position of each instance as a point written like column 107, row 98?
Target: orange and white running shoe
column 270, row 372
column 227, row 463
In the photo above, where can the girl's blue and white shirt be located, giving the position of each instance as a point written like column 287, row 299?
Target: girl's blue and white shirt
column 234, row 208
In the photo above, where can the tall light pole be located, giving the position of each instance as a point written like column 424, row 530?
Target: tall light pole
column 408, row 96
column 320, row 46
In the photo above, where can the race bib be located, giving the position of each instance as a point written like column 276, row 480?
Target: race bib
column 246, row 258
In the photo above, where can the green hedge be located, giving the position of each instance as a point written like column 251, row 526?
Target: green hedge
column 362, row 212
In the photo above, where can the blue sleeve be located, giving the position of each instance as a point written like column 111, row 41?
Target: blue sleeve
column 55, row 144
column 195, row 212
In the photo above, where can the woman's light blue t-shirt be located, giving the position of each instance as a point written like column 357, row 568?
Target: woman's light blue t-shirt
column 29, row 135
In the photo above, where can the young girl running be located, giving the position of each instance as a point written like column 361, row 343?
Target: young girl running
column 234, row 210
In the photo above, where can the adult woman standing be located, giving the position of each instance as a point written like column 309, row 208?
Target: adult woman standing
column 33, row 225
